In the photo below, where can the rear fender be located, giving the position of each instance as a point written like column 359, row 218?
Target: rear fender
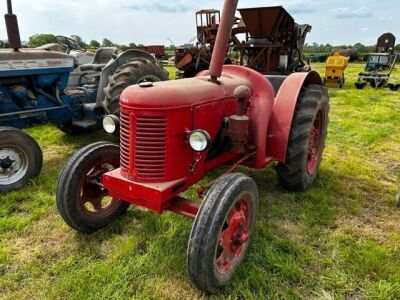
column 283, row 110
column 113, row 65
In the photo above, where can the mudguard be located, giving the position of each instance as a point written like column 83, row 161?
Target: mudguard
column 283, row 111
column 113, row 65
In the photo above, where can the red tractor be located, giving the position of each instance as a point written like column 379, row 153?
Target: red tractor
column 173, row 133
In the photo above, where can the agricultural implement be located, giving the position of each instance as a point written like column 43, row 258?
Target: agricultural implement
column 334, row 71
column 33, row 89
column 173, row 133
column 380, row 65
column 273, row 42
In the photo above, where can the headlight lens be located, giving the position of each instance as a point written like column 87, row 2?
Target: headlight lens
column 110, row 124
column 199, row 140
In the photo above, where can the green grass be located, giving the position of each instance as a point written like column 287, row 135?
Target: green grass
column 339, row 240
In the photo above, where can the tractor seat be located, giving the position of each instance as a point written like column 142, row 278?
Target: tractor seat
column 101, row 58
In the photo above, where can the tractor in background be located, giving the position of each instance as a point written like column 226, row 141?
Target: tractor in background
column 34, row 90
column 273, row 42
column 173, row 133
column 335, row 66
column 380, row 64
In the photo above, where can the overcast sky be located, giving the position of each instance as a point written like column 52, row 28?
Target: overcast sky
column 154, row 21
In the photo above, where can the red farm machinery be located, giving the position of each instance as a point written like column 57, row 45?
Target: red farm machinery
column 273, row 42
column 173, row 133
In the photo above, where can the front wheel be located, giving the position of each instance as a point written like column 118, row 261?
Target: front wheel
column 306, row 139
column 82, row 201
column 221, row 231
column 20, row 159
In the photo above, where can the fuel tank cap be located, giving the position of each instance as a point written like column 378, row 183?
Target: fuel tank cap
column 146, row 84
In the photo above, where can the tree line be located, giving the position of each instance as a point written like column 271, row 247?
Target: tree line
column 328, row 48
column 43, row 38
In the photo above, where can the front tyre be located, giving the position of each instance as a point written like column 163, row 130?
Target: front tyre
column 82, row 201
column 20, row 159
column 306, row 139
column 221, row 232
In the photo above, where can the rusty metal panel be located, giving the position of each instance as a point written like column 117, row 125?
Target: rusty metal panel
column 264, row 22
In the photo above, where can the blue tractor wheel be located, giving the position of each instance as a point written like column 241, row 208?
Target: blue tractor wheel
column 20, row 159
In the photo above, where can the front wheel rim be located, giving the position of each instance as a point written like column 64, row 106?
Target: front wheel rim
column 14, row 164
column 93, row 196
column 315, row 142
column 234, row 236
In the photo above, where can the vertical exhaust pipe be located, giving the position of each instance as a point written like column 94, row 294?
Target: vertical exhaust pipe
column 13, row 35
column 223, row 37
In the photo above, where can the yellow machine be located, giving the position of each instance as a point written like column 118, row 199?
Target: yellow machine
column 335, row 66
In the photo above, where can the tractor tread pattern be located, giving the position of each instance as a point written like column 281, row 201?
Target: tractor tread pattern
column 293, row 173
column 128, row 74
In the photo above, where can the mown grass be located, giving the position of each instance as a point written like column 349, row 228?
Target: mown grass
column 339, row 240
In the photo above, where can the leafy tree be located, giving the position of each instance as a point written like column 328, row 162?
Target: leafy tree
column 4, row 44
column 41, row 39
column 94, row 44
column 107, row 43
column 78, row 39
column 132, row 45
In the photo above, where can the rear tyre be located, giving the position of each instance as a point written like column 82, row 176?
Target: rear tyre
column 374, row 84
column 221, row 232
column 130, row 73
column 82, row 201
column 341, row 82
column 20, row 159
column 360, row 85
column 306, row 139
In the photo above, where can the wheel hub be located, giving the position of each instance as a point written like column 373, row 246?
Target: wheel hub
column 233, row 237
column 9, row 161
column 13, row 165
column 6, row 163
column 93, row 194
column 314, row 143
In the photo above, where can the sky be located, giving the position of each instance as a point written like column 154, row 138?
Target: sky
column 156, row 21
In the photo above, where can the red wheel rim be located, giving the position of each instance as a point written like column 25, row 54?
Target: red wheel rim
column 234, row 236
column 315, row 142
column 94, row 199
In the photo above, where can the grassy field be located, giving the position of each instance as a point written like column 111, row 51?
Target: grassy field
column 339, row 240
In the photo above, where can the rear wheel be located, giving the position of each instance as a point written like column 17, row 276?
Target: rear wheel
column 360, row 85
column 341, row 82
column 306, row 139
column 378, row 83
column 221, row 231
column 130, row 73
column 82, row 201
column 20, row 159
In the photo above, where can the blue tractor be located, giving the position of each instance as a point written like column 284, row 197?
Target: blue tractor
column 34, row 90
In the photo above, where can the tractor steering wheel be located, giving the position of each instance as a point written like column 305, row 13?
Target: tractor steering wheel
column 70, row 44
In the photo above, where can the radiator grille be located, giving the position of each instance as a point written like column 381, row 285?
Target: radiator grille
column 125, row 130
column 150, row 147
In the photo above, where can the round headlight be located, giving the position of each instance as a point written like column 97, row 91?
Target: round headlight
column 199, row 140
column 110, row 124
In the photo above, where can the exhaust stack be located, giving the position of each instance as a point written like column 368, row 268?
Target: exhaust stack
column 223, row 37
column 14, row 38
